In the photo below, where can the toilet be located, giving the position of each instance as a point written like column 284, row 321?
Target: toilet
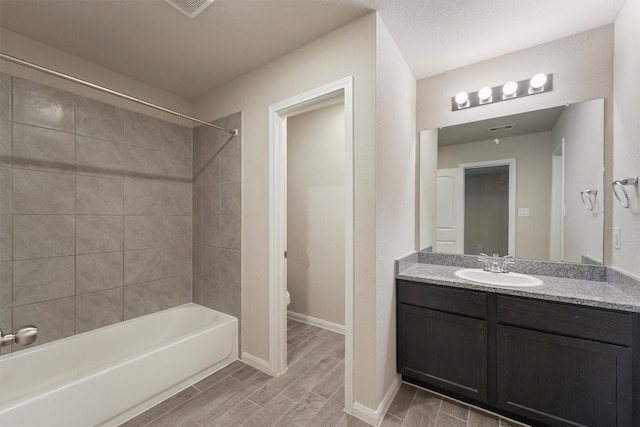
column 287, row 298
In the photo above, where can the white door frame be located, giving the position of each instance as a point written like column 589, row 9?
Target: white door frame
column 512, row 193
column 278, row 114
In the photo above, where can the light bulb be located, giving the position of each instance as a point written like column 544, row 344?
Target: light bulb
column 462, row 99
column 509, row 89
column 537, row 82
column 484, row 95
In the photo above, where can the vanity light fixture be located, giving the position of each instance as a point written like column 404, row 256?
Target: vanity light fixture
column 539, row 83
column 509, row 90
column 485, row 95
column 462, row 99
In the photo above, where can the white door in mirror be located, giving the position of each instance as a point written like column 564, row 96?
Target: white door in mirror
column 514, row 280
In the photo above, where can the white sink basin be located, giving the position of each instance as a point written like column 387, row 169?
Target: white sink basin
column 512, row 280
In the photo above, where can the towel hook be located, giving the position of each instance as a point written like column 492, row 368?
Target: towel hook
column 620, row 183
column 589, row 203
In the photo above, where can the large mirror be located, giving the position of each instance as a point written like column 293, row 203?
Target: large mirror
column 528, row 185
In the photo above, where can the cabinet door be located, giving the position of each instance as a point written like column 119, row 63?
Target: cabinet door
column 561, row 381
column 444, row 350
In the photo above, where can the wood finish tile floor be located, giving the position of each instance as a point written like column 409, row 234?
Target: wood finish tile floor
column 415, row 407
column 309, row 393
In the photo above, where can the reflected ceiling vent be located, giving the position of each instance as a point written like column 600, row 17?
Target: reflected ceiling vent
column 191, row 8
column 503, row 128
column 500, row 129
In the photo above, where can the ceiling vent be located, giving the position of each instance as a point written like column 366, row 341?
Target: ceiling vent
column 191, row 8
column 503, row 128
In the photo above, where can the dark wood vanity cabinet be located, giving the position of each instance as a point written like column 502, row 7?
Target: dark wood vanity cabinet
column 564, row 365
column 544, row 363
column 442, row 338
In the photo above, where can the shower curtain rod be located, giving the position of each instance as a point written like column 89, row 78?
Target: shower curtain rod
column 64, row 76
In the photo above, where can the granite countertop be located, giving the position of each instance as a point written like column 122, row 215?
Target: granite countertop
column 602, row 294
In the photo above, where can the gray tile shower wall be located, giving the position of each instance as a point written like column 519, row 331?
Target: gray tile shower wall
column 95, row 212
column 217, row 214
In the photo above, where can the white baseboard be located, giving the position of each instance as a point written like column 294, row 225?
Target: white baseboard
column 375, row 417
column 364, row 413
column 256, row 362
column 324, row 324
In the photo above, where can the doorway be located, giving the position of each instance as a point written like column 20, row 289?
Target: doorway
column 315, row 217
column 489, row 206
column 486, row 210
column 476, row 208
column 338, row 92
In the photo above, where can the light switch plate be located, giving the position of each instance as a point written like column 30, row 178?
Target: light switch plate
column 523, row 211
column 617, row 242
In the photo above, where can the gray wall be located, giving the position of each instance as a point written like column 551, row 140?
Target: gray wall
column 626, row 129
column 96, row 211
column 581, row 126
column 217, row 215
column 315, row 213
column 533, row 183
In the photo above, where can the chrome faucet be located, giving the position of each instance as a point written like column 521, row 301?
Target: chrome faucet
column 484, row 261
column 507, row 262
column 23, row 336
column 490, row 264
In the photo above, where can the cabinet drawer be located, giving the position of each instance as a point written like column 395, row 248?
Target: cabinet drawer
column 582, row 322
column 452, row 300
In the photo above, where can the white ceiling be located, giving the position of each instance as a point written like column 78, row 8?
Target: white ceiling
column 151, row 41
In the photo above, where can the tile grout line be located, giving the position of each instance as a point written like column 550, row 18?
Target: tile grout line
column 75, row 212
column 11, row 257
column 124, row 129
column 169, row 410
column 457, row 418
column 188, row 400
column 415, row 393
column 246, row 399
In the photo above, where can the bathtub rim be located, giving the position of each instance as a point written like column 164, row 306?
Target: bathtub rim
column 127, row 415
column 222, row 320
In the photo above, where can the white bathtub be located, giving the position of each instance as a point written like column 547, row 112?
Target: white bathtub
column 106, row 376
